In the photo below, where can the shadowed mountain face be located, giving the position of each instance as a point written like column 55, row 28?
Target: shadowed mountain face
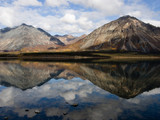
column 13, row 39
column 124, row 34
column 126, row 80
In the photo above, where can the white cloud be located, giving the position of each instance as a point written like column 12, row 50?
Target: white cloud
column 94, row 102
column 73, row 24
column 27, row 3
column 69, row 18
column 61, row 24
column 135, row 13
column 28, row 16
column 56, row 3
column 72, row 88
column 84, row 23
column 6, row 16
column 153, row 22
column 138, row 9
column 64, row 18
column 152, row 92
column 109, row 7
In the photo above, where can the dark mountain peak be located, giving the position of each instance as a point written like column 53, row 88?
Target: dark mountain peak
column 65, row 35
column 4, row 30
column 57, row 35
column 128, row 17
column 25, row 25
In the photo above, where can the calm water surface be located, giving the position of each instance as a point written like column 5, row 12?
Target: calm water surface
column 79, row 91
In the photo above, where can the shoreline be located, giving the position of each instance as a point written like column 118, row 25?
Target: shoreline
column 80, row 55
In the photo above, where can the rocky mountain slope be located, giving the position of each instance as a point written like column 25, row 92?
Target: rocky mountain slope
column 14, row 39
column 124, row 34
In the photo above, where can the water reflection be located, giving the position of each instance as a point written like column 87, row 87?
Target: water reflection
column 37, row 90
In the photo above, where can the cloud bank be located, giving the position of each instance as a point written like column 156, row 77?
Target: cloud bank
column 73, row 16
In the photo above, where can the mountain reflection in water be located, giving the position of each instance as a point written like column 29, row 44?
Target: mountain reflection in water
column 79, row 91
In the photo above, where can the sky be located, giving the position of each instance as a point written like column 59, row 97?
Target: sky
column 75, row 17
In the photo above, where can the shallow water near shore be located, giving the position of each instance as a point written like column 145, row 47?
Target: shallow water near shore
column 79, row 91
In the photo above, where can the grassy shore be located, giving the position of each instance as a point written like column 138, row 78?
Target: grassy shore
column 79, row 55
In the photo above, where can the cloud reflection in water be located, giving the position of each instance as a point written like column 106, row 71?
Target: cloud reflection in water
column 77, row 98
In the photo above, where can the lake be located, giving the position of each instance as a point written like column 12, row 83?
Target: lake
column 79, row 91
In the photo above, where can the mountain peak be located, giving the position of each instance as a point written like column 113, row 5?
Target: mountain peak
column 124, row 34
column 127, row 17
column 25, row 36
column 24, row 24
column 128, row 22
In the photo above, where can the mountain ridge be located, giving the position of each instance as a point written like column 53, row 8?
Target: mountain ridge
column 124, row 34
column 127, row 33
column 19, row 37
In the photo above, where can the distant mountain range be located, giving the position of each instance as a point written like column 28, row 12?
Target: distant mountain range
column 124, row 34
column 69, row 39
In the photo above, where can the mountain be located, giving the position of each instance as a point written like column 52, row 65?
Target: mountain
column 69, row 39
column 65, row 38
column 17, row 38
column 124, row 34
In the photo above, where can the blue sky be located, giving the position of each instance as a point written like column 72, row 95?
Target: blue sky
column 75, row 17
